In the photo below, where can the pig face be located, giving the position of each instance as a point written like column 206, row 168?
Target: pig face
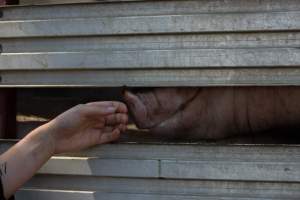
column 189, row 113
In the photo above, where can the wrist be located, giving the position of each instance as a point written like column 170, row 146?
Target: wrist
column 42, row 136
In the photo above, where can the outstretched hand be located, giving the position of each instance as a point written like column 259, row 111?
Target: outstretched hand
column 88, row 124
column 80, row 127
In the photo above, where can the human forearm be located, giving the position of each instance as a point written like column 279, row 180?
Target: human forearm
column 22, row 161
column 80, row 127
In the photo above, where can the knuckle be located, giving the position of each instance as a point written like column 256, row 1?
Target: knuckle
column 125, row 118
column 80, row 109
column 119, row 117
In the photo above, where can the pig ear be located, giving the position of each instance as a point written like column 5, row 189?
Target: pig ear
column 137, row 109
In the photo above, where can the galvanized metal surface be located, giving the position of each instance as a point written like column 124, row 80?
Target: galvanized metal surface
column 151, row 43
column 146, row 78
column 165, row 24
column 120, row 8
column 218, row 41
column 90, row 195
column 209, row 172
column 158, row 43
column 154, row 59
column 49, row 2
column 189, row 162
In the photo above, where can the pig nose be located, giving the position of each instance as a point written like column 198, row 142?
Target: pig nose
column 137, row 109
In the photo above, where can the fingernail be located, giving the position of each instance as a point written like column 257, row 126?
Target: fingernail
column 111, row 109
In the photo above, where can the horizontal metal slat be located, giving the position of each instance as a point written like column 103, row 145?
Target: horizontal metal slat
column 185, row 151
column 144, row 8
column 101, row 167
column 54, row 195
column 239, row 163
column 203, row 23
column 155, row 47
column 91, row 195
column 151, row 78
column 274, row 190
column 184, row 59
column 252, row 171
column 49, row 2
column 193, row 151
column 152, row 42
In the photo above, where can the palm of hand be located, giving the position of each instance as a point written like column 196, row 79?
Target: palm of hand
column 87, row 125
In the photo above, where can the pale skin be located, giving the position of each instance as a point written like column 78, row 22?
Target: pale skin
column 80, row 127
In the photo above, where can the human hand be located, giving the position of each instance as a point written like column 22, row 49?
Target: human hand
column 88, row 124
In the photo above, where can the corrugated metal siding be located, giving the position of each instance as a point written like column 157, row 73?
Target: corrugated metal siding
column 136, row 171
column 158, row 43
column 48, row 2
column 152, row 43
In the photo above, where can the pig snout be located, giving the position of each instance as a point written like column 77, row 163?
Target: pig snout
column 159, row 109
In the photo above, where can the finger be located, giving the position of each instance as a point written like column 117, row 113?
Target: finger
column 116, row 119
column 109, row 136
column 122, row 127
column 108, row 129
column 99, row 124
column 120, row 107
column 96, row 112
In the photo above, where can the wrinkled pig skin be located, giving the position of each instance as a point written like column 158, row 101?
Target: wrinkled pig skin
column 214, row 112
